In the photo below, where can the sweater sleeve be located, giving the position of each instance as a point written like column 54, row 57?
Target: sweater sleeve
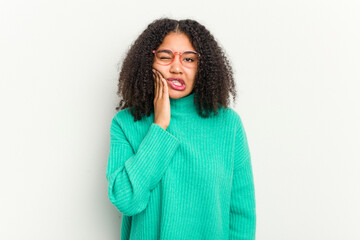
column 242, row 204
column 131, row 176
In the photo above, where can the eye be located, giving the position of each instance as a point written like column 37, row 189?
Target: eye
column 189, row 59
column 164, row 55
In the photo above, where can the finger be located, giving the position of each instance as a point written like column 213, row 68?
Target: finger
column 156, row 85
column 153, row 74
column 154, row 79
column 166, row 89
column 160, row 85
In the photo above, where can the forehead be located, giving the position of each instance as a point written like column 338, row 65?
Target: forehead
column 176, row 42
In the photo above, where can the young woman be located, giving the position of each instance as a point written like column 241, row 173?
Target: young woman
column 179, row 165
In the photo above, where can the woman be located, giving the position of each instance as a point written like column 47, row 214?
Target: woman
column 178, row 168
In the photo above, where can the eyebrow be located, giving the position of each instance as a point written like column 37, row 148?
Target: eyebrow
column 169, row 51
column 164, row 50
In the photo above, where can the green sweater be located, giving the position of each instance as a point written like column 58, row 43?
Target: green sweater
column 191, row 181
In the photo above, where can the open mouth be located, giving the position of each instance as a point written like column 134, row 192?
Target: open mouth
column 177, row 83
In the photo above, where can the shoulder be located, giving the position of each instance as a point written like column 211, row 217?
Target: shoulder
column 126, row 121
column 233, row 116
column 121, row 115
column 121, row 120
column 123, row 125
column 116, row 126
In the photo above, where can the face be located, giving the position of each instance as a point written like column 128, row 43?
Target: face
column 177, row 42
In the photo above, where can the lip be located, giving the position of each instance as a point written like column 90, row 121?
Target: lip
column 177, row 79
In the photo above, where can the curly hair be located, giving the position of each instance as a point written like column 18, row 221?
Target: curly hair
column 213, row 81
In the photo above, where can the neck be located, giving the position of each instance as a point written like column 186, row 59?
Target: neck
column 183, row 105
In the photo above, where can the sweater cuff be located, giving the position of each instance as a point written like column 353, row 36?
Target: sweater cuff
column 152, row 157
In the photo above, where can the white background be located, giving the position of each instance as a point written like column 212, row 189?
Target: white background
column 296, row 65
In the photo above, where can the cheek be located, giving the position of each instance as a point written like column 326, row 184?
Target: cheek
column 192, row 73
column 155, row 65
column 159, row 67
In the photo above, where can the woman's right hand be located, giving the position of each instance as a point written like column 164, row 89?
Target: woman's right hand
column 161, row 100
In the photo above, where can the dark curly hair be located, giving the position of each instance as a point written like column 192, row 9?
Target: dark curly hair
column 213, row 81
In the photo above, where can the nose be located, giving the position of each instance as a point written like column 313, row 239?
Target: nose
column 176, row 66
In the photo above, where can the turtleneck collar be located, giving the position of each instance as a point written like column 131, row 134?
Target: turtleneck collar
column 183, row 105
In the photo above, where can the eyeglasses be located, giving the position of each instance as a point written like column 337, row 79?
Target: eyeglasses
column 189, row 59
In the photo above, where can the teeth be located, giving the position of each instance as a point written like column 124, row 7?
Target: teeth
column 177, row 83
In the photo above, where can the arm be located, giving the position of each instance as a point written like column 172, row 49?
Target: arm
column 242, row 204
column 131, row 176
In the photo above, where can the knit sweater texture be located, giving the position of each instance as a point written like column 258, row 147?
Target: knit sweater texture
column 192, row 181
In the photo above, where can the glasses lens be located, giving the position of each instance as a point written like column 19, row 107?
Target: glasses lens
column 189, row 59
column 164, row 56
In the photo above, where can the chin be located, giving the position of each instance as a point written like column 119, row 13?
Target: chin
column 178, row 94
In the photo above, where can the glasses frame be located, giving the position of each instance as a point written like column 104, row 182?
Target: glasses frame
column 176, row 53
